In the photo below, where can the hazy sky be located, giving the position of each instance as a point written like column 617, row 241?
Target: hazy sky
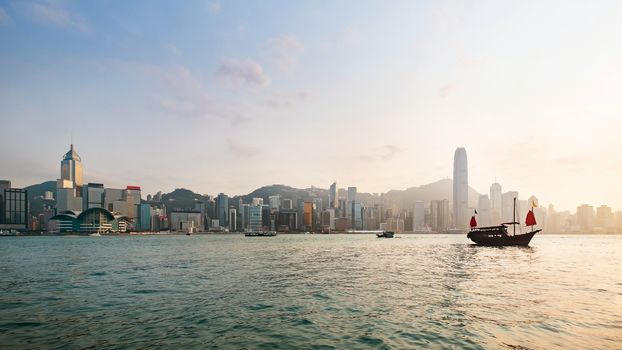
column 229, row 96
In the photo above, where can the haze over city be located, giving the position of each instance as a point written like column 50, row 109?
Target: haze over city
column 231, row 96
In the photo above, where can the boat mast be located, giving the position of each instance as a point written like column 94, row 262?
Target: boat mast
column 514, row 217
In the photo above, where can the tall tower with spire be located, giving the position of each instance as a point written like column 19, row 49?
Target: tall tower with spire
column 69, row 185
column 71, row 167
column 461, row 189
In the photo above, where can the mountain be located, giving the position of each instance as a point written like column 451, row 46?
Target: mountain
column 35, row 196
column 182, row 198
column 442, row 189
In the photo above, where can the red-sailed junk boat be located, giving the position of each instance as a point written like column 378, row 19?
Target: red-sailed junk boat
column 498, row 235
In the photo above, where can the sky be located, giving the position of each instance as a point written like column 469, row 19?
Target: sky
column 228, row 96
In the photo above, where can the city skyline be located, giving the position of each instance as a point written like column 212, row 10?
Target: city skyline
column 395, row 89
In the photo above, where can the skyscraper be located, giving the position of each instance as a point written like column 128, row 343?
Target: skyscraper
column 495, row 203
column 333, row 196
column 419, row 216
column 350, row 202
column 222, row 209
column 461, row 189
column 71, row 167
column 483, row 209
column 439, row 215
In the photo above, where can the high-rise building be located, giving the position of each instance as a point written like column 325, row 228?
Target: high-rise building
column 507, row 206
column 419, row 216
column 495, row 203
column 233, row 222
column 144, row 217
column 333, row 196
column 222, row 209
column 14, row 214
column 461, row 189
column 257, row 201
column 483, row 210
column 307, row 216
column 439, row 215
column 71, row 167
column 350, row 201
column 604, row 217
column 255, row 219
column 132, row 196
column 275, row 202
column 287, row 204
column 93, row 196
column 357, row 216
column 585, row 218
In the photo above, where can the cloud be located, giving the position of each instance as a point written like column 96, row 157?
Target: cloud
column 445, row 90
column 285, row 101
column 182, row 94
column 384, row 153
column 242, row 151
column 4, row 17
column 391, row 151
column 244, row 72
column 213, row 6
column 173, row 50
column 283, row 52
column 352, row 36
column 54, row 14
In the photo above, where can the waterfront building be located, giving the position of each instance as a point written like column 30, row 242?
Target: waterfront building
column 222, row 209
column 333, row 196
column 484, row 211
column 66, row 198
column 357, row 216
column 395, row 224
column 495, row 203
column 275, row 202
column 14, row 208
column 350, row 201
column 307, row 216
column 507, row 206
column 439, row 215
column 287, row 204
column 132, row 196
column 255, row 219
column 585, row 218
column 185, row 220
column 112, row 195
column 144, row 217
column 288, row 220
column 604, row 217
column 328, row 218
column 93, row 220
column 233, row 220
column 71, row 167
column 461, row 189
column 419, row 216
column 93, row 196
column 343, row 224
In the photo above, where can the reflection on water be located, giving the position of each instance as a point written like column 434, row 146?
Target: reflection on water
column 312, row 291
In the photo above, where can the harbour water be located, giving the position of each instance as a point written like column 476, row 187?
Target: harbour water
column 310, row 291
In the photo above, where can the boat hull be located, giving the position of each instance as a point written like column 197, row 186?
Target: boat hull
column 500, row 238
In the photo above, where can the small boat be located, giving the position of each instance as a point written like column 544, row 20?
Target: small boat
column 260, row 234
column 96, row 234
column 385, row 234
column 498, row 236
column 187, row 233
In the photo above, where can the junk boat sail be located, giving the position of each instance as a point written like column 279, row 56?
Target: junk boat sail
column 498, row 235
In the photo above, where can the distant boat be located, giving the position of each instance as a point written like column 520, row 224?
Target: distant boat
column 385, row 234
column 96, row 234
column 499, row 236
column 260, row 234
